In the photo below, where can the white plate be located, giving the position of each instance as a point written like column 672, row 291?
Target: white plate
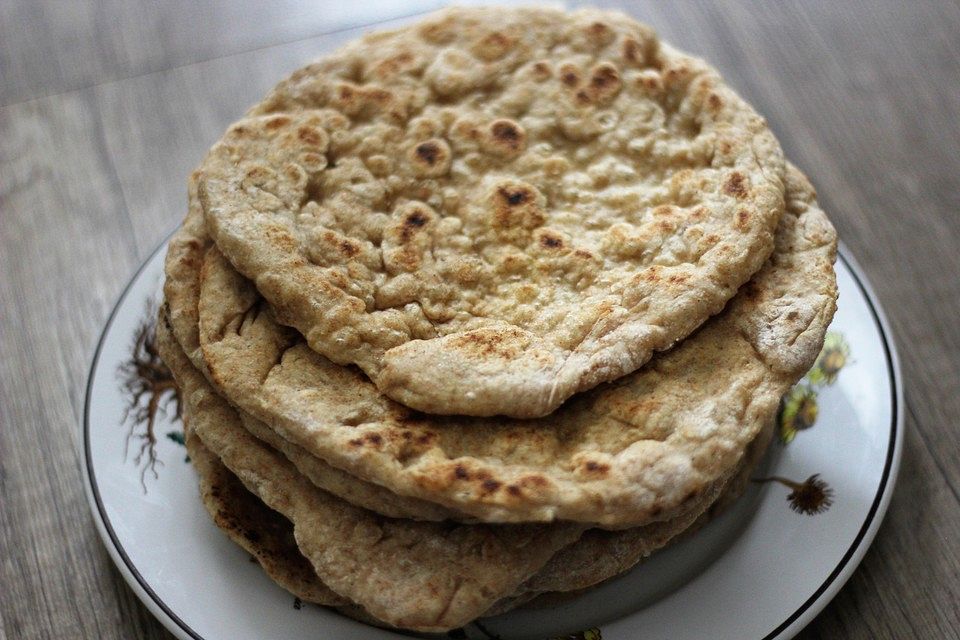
column 760, row 571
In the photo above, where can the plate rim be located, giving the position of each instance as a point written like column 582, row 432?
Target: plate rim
column 851, row 559
column 791, row 625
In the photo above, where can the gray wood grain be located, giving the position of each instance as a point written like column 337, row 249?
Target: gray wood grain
column 124, row 98
column 54, row 46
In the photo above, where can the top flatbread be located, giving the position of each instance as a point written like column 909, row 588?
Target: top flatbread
column 494, row 209
column 632, row 452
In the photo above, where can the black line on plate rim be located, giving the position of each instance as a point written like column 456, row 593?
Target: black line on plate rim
column 91, row 476
column 871, row 514
column 887, row 467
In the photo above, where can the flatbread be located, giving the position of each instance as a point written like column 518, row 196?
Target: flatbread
column 343, row 485
column 263, row 533
column 494, row 209
column 636, row 451
column 424, row 576
column 181, row 287
column 596, row 557
column 269, row 536
column 183, row 278
column 600, row 555
column 184, row 259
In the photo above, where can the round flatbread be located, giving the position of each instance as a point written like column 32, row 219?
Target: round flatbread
column 633, row 452
column 181, row 287
column 185, row 254
column 423, row 576
column 263, row 533
column 426, row 576
column 494, row 209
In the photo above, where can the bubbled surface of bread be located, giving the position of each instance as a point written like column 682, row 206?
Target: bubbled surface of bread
column 636, row 451
column 492, row 210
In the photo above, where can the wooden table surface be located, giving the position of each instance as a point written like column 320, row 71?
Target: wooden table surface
column 106, row 106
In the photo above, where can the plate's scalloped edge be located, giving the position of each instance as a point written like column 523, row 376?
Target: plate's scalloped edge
column 787, row 629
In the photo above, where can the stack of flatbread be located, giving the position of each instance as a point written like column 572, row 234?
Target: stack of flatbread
column 487, row 307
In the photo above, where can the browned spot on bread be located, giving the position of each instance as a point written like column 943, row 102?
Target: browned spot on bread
column 490, row 485
column 736, row 185
column 676, row 75
column 379, row 96
column 534, row 481
column 513, row 197
column 663, row 210
column 349, row 249
column 666, row 226
column 338, row 279
column 414, row 221
column 542, row 71
column 604, row 84
column 597, row 468
column 550, row 241
column 276, row 122
column 438, row 32
column 714, row 101
column 365, row 101
column 632, row 51
column 513, row 263
column 515, row 206
column 393, row 65
column 257, row 174
column 428, row 152
column 678, row 278
column 599, row 34
column 487, row 342
column 569, row 75
column 604, row 75
column 460, row 472
column 430, row 158
column 311, row 136
column 514, row 490
column 417, row 218
column 743, row 218
column 282, row 240
column 507, row 132
column 583, row 253
column 313, row 160
column 493, row 46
